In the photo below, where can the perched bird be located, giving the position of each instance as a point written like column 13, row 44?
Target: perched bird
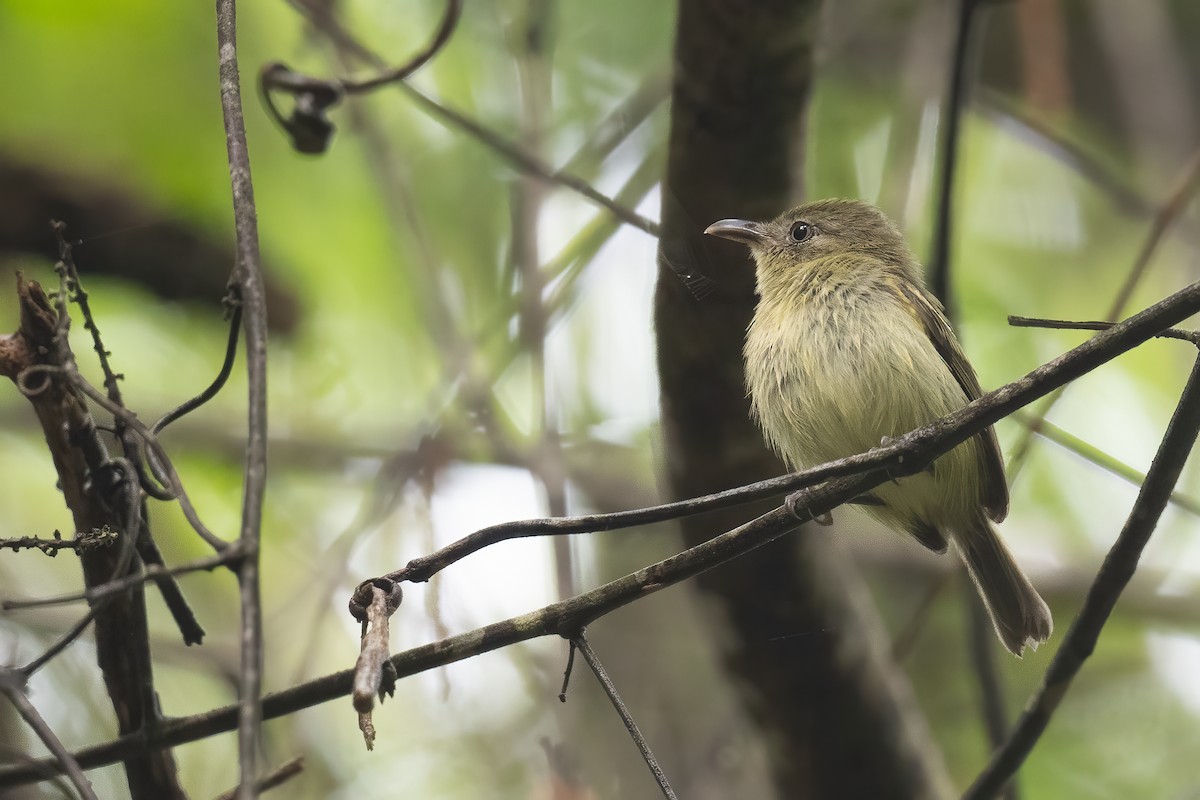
column 848, row 348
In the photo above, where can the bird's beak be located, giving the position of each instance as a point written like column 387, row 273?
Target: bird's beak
column 739, row 230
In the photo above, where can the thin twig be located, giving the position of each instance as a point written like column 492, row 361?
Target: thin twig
column 902, row 644
column 86, row 540
column 526, row 161
column 1013, row 114
column 308, row 125
column 247, row 275
column 531, row 52
column 69, row 273
column 1165, row 216
column 152, row 573
column 983, row 654
column 981, row 643
column 440, row 38
column 276, row 777
column 12, row 684
column 188, row 406
column 1118, row 567
column 585, row 649
column 951, row 125
column 1095, row 325
column 1068, row 441
column 71, row 287
column 1175, row 204
column 129, row 419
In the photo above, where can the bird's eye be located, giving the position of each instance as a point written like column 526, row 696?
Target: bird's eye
column 801, row 232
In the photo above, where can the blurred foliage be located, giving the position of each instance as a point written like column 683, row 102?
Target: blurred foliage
column 126, row 94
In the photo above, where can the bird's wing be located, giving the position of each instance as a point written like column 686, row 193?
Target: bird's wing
column 928, row 312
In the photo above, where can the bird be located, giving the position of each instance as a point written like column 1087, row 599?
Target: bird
column 848, row 349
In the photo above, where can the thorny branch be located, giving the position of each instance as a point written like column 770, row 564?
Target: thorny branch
column 99, row 491
column 84, row 540
column 71, row 288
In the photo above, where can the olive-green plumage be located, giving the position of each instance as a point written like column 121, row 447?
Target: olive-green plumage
column 848, row 348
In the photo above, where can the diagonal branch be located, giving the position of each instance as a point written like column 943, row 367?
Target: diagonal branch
column 1115, row 573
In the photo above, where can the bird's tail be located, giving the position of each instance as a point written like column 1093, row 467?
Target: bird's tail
column 1020, row 615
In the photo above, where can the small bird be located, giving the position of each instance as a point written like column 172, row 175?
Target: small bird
column 848, row 349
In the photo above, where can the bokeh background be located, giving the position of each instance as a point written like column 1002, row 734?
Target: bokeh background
column 411, row 400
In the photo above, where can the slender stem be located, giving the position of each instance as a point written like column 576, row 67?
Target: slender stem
column 991, row 685
column 29, row 712
column 247, row 275
column 1166, row 215
column 939, row 261
column 585, row 649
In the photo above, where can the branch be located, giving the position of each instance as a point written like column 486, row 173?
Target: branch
column 86, row 540
column 276, row 777
column 1170, row 210
column 247, row 276
column 990, row 408
column 1116, row 571
column 1095, row 325
column 1094, row 455
column 99, row 491
column 12, row 685
column 908, row 454
column 951, row 125
column 580, row 643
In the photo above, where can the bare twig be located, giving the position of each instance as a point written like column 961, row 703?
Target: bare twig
column 981, row 643
column 247, row 276
column 1175, row 204
column 130, row 420
column 526, row 161
column 440, row 38
column 581, row 644
column 71, row 287
column 1068, row 441
column 902, row 643
column 99, row 491
column 276, row 777
column 309, row 127
column 12, row 684
column 152, row 573
column 513, row 152
column 187, row 407
column 532, row 48
column 983, row 662
column 1163, row 218
column 1118, row 567
column 938, row 272
column 1095, row 325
